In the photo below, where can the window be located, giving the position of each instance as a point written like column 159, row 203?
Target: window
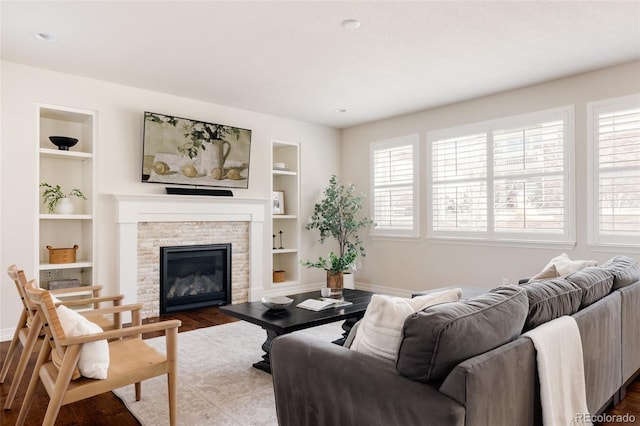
column 614, row 166
column 394, row 164
column 505, row 180
column 459, row 189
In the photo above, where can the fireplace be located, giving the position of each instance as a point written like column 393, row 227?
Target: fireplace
column 194, row 276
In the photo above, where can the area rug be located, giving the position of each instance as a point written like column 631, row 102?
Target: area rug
column 217, row 384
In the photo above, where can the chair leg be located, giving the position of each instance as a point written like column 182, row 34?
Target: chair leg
column 69, row 364
column 29, row 344
column 45, row 351
column 12, row 346
column 172, row 375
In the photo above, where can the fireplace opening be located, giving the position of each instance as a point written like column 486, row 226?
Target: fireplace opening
column 194, row 276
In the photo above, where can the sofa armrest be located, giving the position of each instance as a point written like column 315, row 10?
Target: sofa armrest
column 320, row 383
column 499, row 387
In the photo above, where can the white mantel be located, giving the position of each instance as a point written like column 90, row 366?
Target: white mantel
column 133, row 209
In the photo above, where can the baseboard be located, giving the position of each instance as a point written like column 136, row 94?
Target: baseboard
column 6, row 334
column 390, row 291
column 294, row 289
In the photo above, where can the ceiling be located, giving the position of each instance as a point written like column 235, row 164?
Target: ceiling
column 294, row 59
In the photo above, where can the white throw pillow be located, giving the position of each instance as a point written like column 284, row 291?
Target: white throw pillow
column 380, row 330
column 561, row 266
column 94, row 356
column 572, row 266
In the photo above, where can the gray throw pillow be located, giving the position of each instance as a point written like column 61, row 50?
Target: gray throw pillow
column 595, row 283
column 438, row 338
column 551, row 299
column 625, row 270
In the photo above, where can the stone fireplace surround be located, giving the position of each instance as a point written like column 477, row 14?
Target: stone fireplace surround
column 170, row 214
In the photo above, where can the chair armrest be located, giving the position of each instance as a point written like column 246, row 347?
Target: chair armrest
column 91, row 300
column 113, row 310
column 310, row 375
column 94, row 288
column 121, row 332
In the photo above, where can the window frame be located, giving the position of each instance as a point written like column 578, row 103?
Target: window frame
column 595, row 239
column 567, row 238
column 414, row 141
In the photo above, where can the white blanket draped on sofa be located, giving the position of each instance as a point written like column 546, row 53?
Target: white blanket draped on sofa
column 561, row 371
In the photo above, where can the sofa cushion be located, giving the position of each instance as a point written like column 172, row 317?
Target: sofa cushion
column 595, row 283
column 436, row 339
column 624, row 269
column 550, row 299
column 380, row 329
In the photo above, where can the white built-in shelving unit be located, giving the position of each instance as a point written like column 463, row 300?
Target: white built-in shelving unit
column 69, row 169
column 286, row 256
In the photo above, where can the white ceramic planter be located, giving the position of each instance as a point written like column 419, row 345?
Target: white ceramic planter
column 64, row 206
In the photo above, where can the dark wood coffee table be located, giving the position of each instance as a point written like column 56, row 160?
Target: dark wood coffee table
column 279, row 322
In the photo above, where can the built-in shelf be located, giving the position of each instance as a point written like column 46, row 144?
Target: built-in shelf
column 285, row 216
column 286, row 227
column 286, row 250
column 73, row 168
column 75, row 265
column 56, row 153
column 285, row 173
column 66, row 217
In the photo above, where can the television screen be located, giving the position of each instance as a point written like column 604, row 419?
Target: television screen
column 189, row 152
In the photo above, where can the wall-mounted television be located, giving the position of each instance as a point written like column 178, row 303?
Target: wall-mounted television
column 181, row 151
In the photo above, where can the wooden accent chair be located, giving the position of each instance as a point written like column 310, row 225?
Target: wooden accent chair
column 29, row 332
column 131, row 360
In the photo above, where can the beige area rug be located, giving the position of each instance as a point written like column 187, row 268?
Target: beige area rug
column 217, row 384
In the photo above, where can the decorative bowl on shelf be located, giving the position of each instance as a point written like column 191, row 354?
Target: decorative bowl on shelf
column 277, row 302
column 63, row 142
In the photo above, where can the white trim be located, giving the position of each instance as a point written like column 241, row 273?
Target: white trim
column 390, row 291
column 519, row 243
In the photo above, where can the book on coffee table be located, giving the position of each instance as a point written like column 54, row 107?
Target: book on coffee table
column 322, row 304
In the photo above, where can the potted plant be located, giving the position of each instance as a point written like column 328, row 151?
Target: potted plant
column 57, row 201
column 335, row 217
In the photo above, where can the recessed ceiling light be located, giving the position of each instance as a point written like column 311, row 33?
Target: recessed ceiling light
column 341, row 110
column 45, row 37
column 351, row 24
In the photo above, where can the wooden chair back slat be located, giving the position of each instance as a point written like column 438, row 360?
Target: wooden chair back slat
column 20, row 279
column 44, row 303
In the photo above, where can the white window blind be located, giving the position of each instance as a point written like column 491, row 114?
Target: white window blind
column 615, row 167
column 528, row 165
column 459, row 187
column 394, row 168
column 508, row 179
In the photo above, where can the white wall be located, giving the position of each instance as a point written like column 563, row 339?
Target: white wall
column 120, row 110
column 419, row 264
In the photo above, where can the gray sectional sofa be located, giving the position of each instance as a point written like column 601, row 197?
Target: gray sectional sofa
column 465, row 362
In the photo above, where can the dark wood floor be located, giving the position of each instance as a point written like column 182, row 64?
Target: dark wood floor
column 108, row 410
column 105, row 409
